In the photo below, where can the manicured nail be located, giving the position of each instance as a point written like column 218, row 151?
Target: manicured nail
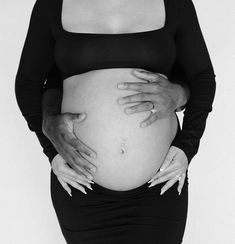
column 128, row 110
column 143, row 125
column 70, row 193
column 152, row 184
column 120, row 101
column 150, row 181
column 88, row 186
column 82, row 115
column 83, row 190
column 179, row 192
column 162, row 191
column 121, row 85
column 90, row 181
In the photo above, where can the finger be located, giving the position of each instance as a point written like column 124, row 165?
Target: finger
column 76, row 117
column 177, row 163
column 148, row 75
column 74, row 160
column 139, row 108
column 160, row 114
column 64, row 185
column 77, row 144
column 67, row 171
column 169, row 184
column 139, row 97
column 181, row 183
column 82, row 147
column 166, row 177
column 75, row 185
column 170, row 168
column 84, row 165
column 152, row 118
column 79, row 181
column 139, row 86
column 169, row 158
column 79, row 166
column 74, row 157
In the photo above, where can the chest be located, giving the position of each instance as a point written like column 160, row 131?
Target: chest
column 113, row 16
column 97, row 37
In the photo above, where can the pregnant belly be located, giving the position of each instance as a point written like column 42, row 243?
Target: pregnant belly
column 127, row 155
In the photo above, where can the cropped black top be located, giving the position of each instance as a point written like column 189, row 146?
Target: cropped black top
column 51, row 54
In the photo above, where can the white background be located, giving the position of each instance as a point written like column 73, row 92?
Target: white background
column 27, row 214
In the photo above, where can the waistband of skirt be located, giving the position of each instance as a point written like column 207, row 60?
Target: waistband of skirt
column 98, row 188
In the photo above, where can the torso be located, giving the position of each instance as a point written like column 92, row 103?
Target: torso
column 128, row 155
column 115, row 17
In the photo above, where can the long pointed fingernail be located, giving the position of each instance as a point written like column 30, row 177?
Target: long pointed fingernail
column 152, row 184
column 150, row 181
column 70, row 194
column 88, row 186
column 90, row 181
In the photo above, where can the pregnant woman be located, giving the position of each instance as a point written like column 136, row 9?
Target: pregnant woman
column 97, row 46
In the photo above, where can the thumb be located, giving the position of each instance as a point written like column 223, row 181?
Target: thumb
column 168, row 159
column 78, row 117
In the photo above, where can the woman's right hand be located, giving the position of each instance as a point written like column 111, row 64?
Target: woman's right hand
column 59, row 129
column 66, row 175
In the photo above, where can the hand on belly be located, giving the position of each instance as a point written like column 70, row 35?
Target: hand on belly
column 127, row 155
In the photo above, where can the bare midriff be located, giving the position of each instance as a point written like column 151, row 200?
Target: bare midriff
column 127, row 154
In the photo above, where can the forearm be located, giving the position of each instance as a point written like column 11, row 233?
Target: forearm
column 29, row 101
column 51, row 105
column 184, row 96
column 178, row 77
column 193, row 57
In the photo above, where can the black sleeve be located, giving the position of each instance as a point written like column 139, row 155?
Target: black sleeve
column 36, row 64
column 53, row 80
column 177, row 76
column 193, row 57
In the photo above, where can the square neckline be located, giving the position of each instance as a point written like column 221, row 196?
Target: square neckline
column 111, row 34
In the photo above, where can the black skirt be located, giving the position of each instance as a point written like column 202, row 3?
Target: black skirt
column 103, row 216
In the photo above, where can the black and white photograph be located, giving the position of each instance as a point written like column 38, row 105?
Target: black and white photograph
column 117, row 122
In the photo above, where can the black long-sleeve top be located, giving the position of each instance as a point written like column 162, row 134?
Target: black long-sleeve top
column 178, row 50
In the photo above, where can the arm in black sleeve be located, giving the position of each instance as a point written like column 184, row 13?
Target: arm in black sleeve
column 53, row 80
column 36, row 63
column 177, row 76
column 193, row 57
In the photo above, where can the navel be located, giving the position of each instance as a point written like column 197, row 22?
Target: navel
column 123, row 147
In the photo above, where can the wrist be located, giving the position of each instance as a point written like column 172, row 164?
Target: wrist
column 46, row 124
column 181, row 98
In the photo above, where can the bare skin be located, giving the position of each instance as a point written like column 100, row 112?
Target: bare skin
column 167, row 97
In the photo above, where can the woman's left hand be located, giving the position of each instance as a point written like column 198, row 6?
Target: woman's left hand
column 172, row 170
column 156, row 94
